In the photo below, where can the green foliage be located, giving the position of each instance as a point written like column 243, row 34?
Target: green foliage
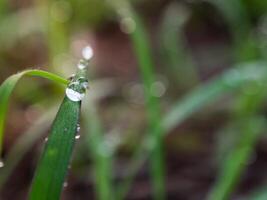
column 229, row 81
column 52, row 168
column 8, row 86
column 53, row 165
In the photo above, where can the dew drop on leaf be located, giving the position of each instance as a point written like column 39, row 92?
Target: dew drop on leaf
column 73, row 95
column 81, row 65
column 65, row 184
column 1, row 164
column 87, row 53
column 78, row 128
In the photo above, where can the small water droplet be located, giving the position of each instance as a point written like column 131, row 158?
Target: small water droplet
column 82, row 64
column 85, row 85
column 87, row 53
column 78, row 128
column 73, row 95
column 65, row 184
column 1, row 164
column 46, row 139
column 65, row 129
column 77, row 137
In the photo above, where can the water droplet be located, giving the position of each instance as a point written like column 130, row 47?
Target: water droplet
column 85, row 85
column 65, row 129
column 46, row 139
column 1, row 164
column 78, row 128
column 65, row 184
column 77, row 137
column 87, row 53
column 73, row 95
column 82, row 64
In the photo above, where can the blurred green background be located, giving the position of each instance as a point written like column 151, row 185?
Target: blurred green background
column 177, row 102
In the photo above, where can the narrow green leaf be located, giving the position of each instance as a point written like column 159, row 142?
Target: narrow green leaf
column 211, row 91
column 259, row 194
column 8, row 86
column 193, row 102
column 53, row 165
column 144, row 56
column 101, row 155
column 235, row 163
column 174, row 47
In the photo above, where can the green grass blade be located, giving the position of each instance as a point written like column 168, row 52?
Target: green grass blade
column 143, row 52
column 52, row 168
column 236, row 161
column 53, row 165
column 244, row 43
column 193, row 102
column 102, row 159
column 259, row 193
column 4, row 8
column 211, row 91
column 8, row 86
column 144, row 57
column 175, row 49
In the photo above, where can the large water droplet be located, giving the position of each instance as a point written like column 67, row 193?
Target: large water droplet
column 73, row 95
column 77, row 137
column 87, row 53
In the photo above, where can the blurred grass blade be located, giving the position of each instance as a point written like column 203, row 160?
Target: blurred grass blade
column 4, row 8
column 192, row 103
column 245, row 44
column 259, row 193
column 102, row 157
column 24, row 143
column 209, row 92
column 175, row 48
column 133, row 25
column 144, row 57
column 53, row 165
column 236, row 161
column 8, row 86
column 56, row 31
